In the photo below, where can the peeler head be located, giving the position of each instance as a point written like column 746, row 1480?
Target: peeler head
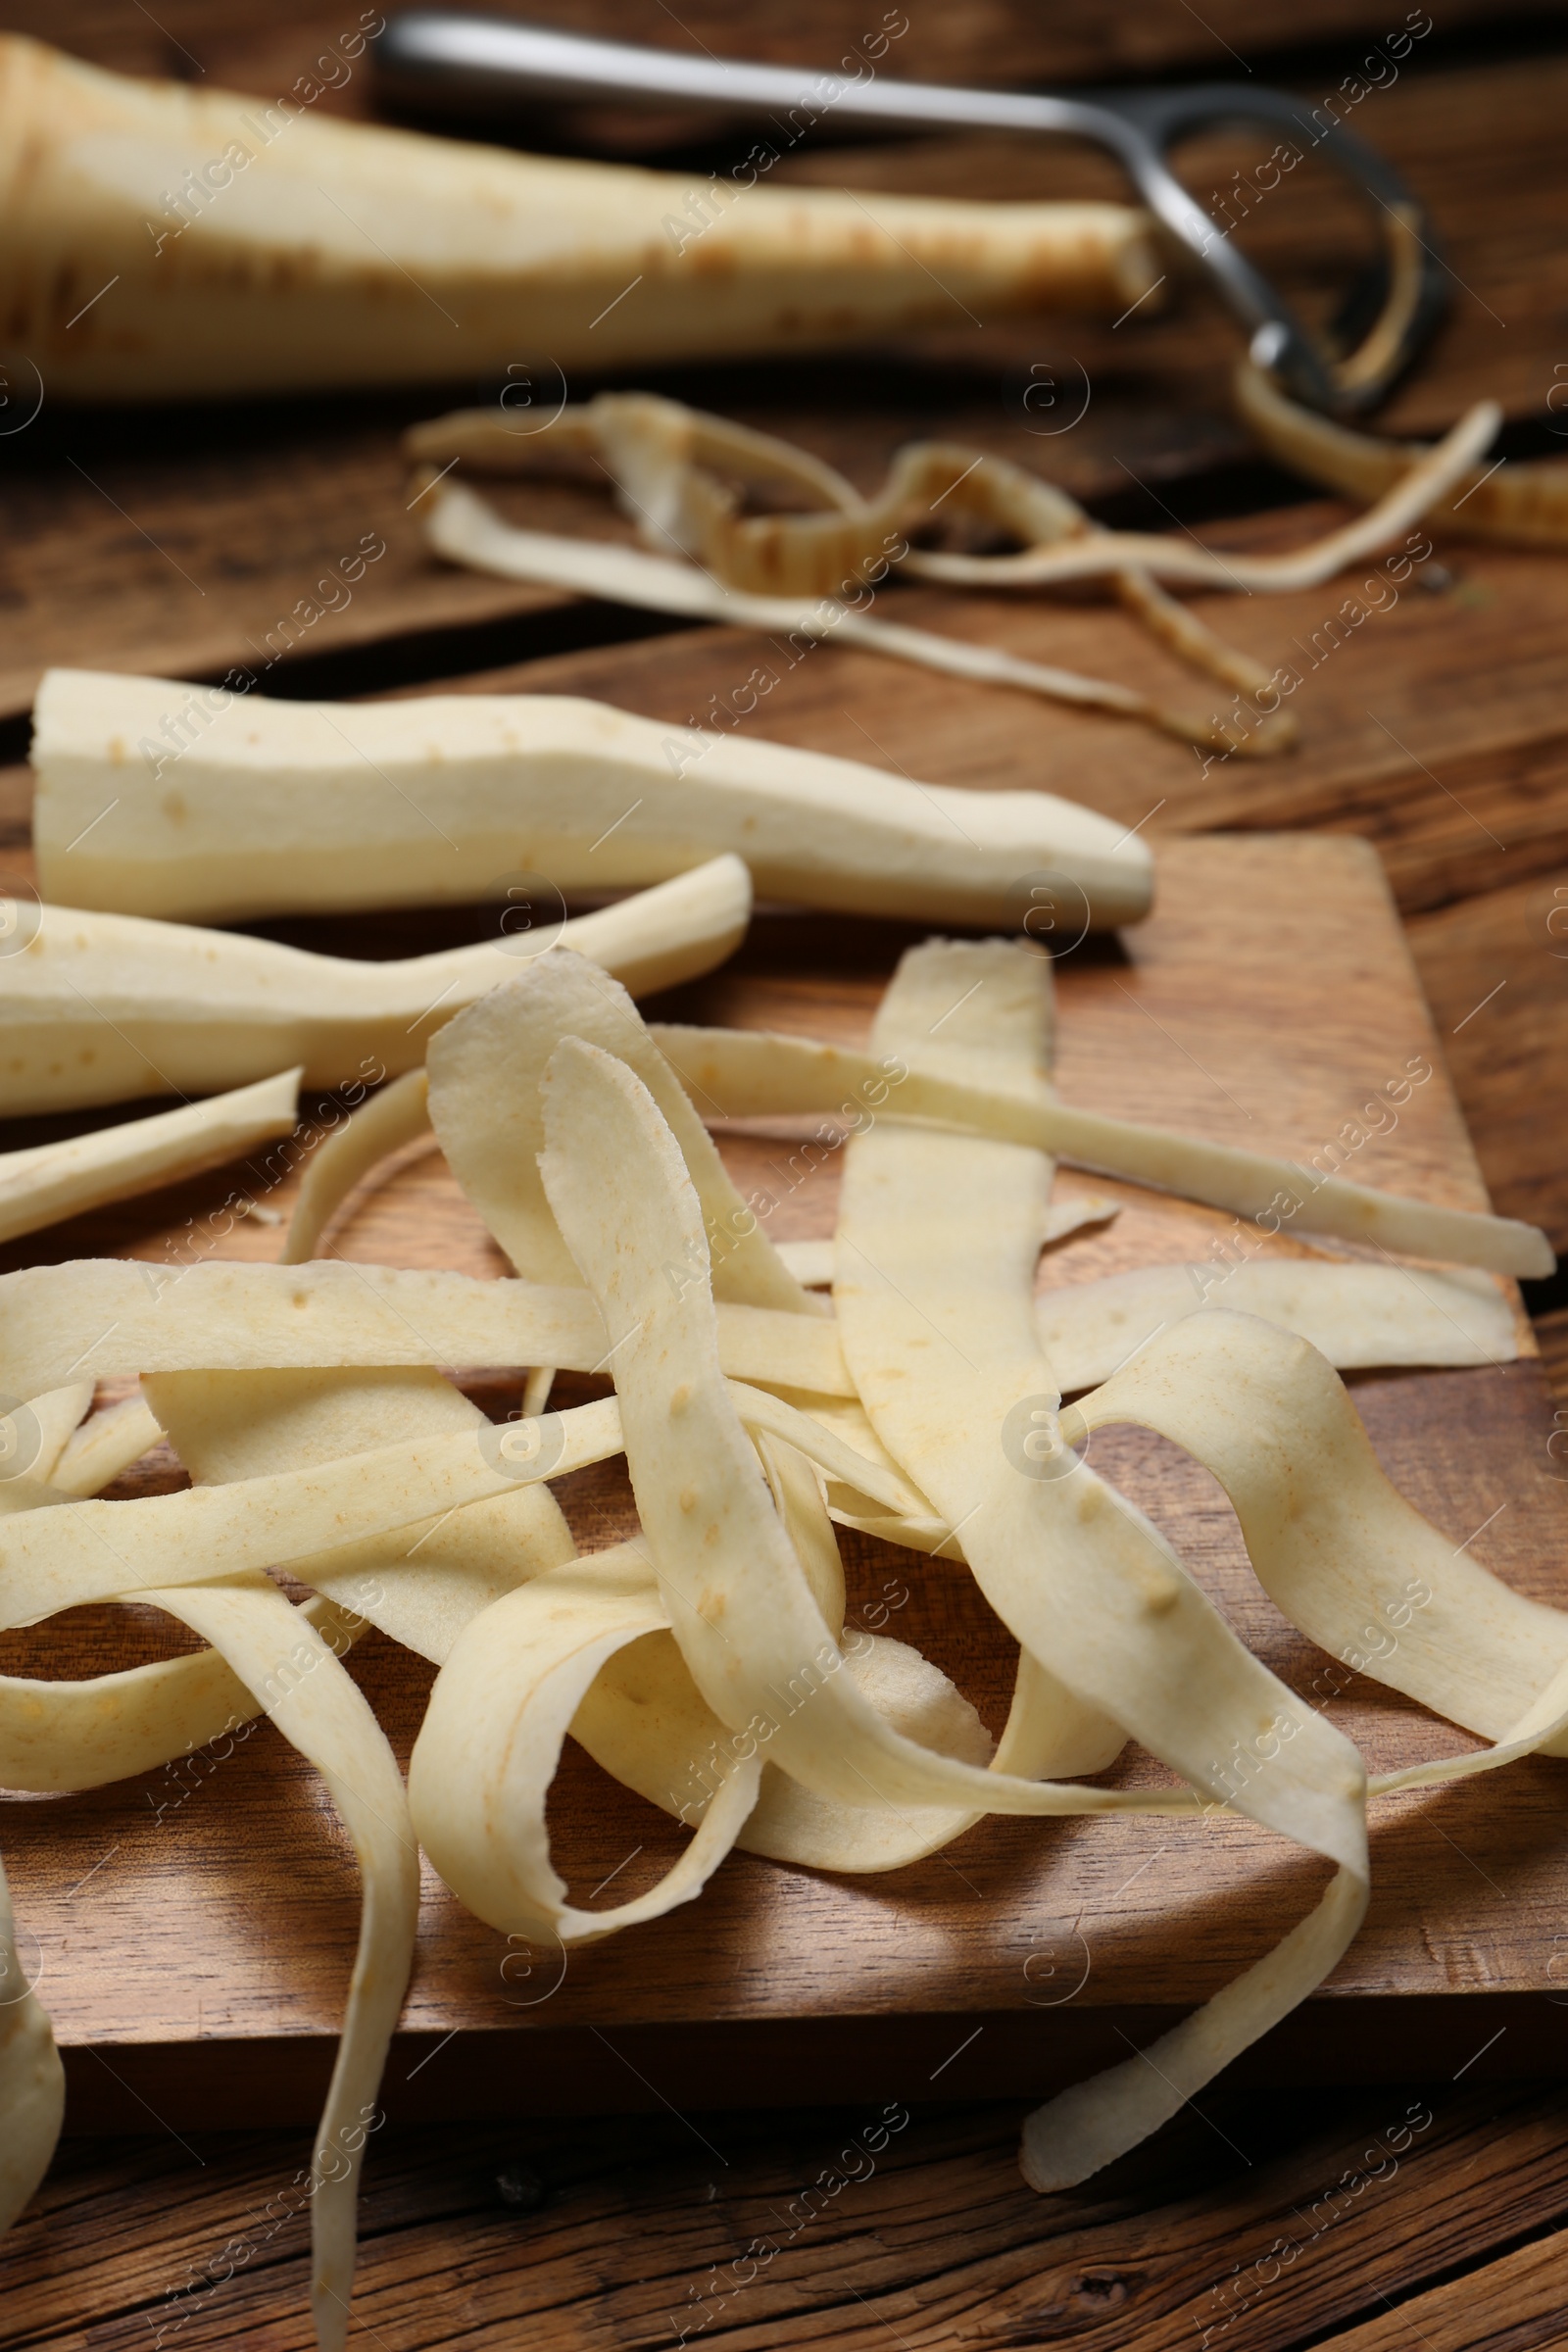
column 1389, row 314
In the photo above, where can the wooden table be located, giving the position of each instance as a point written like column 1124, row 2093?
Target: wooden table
column 1384, row 2217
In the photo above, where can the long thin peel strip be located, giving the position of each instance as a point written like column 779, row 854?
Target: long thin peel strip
column 943, row 1347
column 1335, row 1544
column 46, row 1182
column 466, row 530
column 120, row 1319
column 243, row 1425
column 1420, row 487
column 32, row 2081
column 1524, row 503
column 323, row 1714
column 753, row 1074
column 1356, row 1315
column 68, row 1555
column 106, row 1008
column 421, row 1582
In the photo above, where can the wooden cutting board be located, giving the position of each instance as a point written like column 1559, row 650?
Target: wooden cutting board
column 194, row 1931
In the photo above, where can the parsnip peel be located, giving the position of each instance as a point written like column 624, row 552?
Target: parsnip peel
column 681, row 477
column 709, row 1661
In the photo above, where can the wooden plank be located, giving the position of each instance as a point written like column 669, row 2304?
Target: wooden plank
column 177, row 1956
column 227, row 541
column 1517, row 2301
column 1496, row 972
column 1551, row 1335
column 573, row 2235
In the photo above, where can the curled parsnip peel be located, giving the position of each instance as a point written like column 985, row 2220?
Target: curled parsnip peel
column 32, row 2081
column 491, row 1743
column 484, row 1075
column 289, row 1668
column 1420, row 489
column 395, row 1115
column 1334, row 1543
column 282, row 807
column 246, row 1424
column 641, row 1716
column 399, row 1115
column 942, row 1344
column 119, row 1318
column 744, row 1073
column 56, row 1558
column 45, row 1182
column 104, row 1007
column 466, row 530
column 420, row 1583
column 738, row 1600
column 319, row 252
column 53, row 1559
column 682, row 475
column 1524, row 503
column 104, row 1443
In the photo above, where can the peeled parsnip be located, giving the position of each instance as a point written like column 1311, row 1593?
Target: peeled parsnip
column 105, row 1008
column 247, row 246
column 196, row 805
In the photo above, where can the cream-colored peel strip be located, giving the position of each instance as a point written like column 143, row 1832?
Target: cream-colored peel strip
column 1418, row 489
column 397, row 1115
column 106, row 1008
column 1335, row 1544
column 491, row 1743
column 32, row 2081
column 467, row 531
column 58, row 1558
column 945, row 1353
column 753, row 1074
column 120, row 1319
column 49, row 1181
column 293, row 1672
column 738, row 1600
column 1357, row 1316
column 1525, row 502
